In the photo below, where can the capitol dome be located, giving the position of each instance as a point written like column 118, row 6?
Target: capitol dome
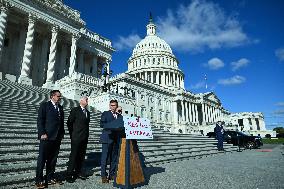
column 152, row 60
column 152, row 44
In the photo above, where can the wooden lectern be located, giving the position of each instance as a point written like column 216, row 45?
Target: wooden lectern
column 129, row 172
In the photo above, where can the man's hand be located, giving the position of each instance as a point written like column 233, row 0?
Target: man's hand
column 118, row 110
column 43, row 137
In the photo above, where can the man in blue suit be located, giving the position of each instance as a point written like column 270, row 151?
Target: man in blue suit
column 50, row 125
column 109, row 139
column 219, row 131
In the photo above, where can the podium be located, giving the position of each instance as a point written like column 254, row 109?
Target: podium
column 129, row 171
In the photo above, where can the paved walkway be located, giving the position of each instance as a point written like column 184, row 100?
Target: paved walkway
column 249, row 169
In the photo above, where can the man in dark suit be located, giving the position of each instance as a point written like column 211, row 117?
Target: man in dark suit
column 50, row 125
column 219, row 131
column 109, row 139
column 78, row 126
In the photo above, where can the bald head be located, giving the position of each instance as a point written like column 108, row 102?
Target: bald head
column 84, row 101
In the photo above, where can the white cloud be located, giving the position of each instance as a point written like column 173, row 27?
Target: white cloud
column 194, row 27
column 232, row 81
column 200, row 25
column 243, row 62
column 215, row 64
column 128, row 42
column 279, row 112
column 280, row 104
column 279, row 53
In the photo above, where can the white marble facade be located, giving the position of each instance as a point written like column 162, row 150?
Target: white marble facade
column 46, row 43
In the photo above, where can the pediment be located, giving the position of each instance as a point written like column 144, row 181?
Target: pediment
column 212, row 97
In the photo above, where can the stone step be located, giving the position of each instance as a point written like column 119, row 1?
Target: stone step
column 158, row 160
column 25, row 179
column 65, row 146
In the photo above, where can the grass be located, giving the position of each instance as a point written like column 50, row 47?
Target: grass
column 273, row 141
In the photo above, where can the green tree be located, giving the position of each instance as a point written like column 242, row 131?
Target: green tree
column 279, row 129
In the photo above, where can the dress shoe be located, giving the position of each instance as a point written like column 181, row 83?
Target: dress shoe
column 40, row 185
column 105, row 180
column 54, row 181
column 70, row 179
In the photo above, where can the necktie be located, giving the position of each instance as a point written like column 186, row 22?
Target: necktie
column 57, row 109
column 85, row 112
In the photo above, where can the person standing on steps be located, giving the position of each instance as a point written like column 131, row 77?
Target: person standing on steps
column 78, row 127
column 109, row 139
column 50, row 125
column 219, row 131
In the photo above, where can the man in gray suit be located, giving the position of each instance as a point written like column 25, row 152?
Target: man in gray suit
column 78, row 127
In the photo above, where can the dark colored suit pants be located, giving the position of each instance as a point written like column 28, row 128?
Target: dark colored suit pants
column 48, row 153
column 220, row 142
column 77, row 157
column 109, row 153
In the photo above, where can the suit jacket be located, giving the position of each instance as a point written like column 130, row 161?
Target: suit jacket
column 111, row 127
column 218, row 131
column 78, row 124
column 50, row 122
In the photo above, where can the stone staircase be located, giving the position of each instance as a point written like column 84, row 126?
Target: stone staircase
column 19, row 144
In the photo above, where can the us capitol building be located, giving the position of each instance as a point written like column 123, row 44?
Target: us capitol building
column 45, row 43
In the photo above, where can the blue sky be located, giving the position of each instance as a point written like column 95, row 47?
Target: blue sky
column 237, row 44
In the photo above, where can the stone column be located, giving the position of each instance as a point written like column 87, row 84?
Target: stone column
column 175, row 112
column 172, row 78
column 182, row 82
column 182, row 111
column 163, row 79
column 214, row 114
column 196, row 113
column 26, row 62
column 186, row 112
column 158, row 78
column 209, row 114
column 190, row 112
column 178, row 83
column 193, row 113
column 3, row 22
column 51, row 60
column 203, row 114
column 152, row 76
column 73, row 54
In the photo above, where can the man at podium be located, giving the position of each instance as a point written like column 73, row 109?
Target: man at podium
column 110, row 122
